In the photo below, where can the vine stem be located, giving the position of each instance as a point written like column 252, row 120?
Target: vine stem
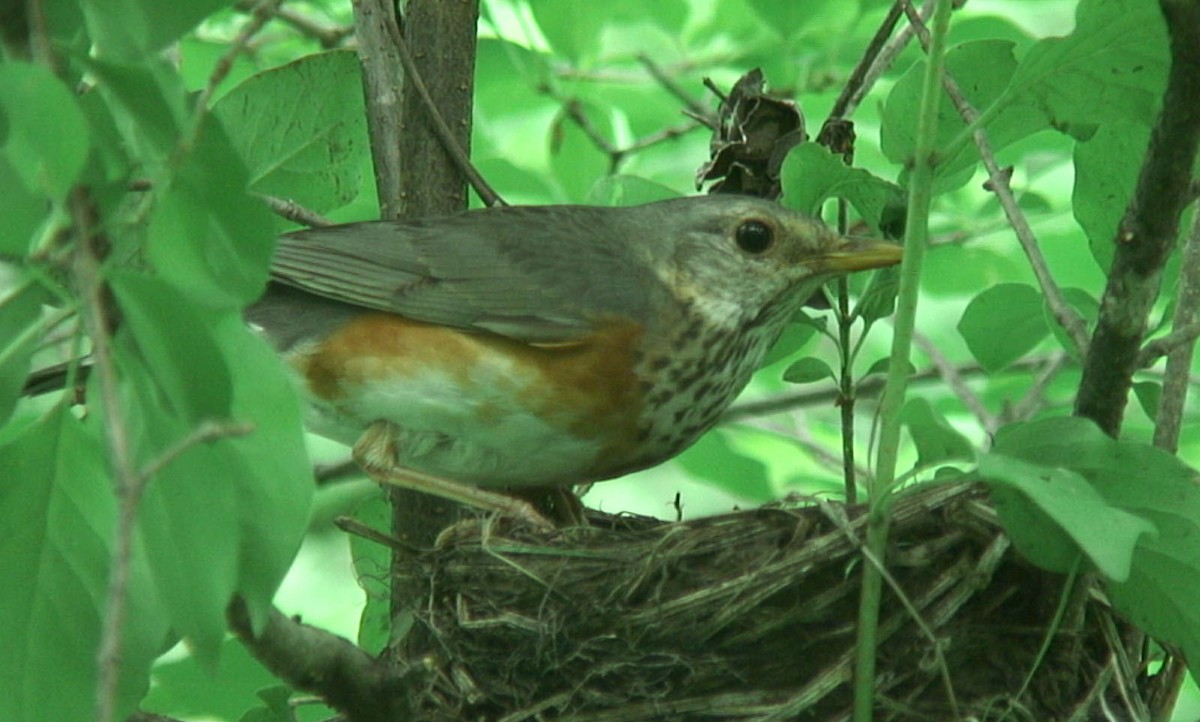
column 920, row 195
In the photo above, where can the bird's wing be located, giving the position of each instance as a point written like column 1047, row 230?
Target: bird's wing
column 537, row 274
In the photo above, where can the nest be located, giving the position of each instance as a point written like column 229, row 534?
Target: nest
column 751, row 616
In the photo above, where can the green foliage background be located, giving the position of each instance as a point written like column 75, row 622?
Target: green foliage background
column 1066, row 90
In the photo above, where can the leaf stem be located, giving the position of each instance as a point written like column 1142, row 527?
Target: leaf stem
column 915, row 239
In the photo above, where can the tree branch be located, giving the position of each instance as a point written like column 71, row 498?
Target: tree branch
column 90, row 249
column 1148, row 231
column 313, row 660
column 1169, row 419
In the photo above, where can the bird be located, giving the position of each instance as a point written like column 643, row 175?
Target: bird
column 540, row 346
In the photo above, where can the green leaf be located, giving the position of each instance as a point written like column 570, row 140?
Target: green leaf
column 574, row 30
column 188, row 513
column 793, row 338
column 301, row 129
column 983, row 70
column 628, row 190
column 716, row 459
column 47, row 139
column 147, row 101
column 576, row 162
column 879, row 300
column 1106, row 171
column 276, row 706
column 1052, row 514
column 808, row 370
column 274, row 498
column 1148, row 394
column 811, row 174
column 1138, row 480
column 207, row 237
column 21, row 209
column 133, row 28
column 184, row 689
column 58, row 511
column 1002, row 324
column 936, row 440
column 372, row 562
column 175, row 339
column 1088, row 308
column 881, row 367
column 813, row 18
column 1111, row 68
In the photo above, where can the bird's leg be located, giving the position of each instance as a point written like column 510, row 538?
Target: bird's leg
column 375, row 452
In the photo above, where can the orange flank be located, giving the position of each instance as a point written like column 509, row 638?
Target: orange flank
column 584, row 388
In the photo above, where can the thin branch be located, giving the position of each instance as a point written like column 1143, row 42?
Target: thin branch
column 886, row 57
column 660, row 136
column 350, row 525
column 329, row 36
column 262, row 14
column 574, row 111
column 1148, row 230
column 855, row 86
column 693, row 106
column 867, row 387
column 956, row 383
column 916, row 238
column 316, row 661
column 1064, row 314
column 450, row 143
column 90, row 248
column 207, row 432
column 1033, row 399
column 1168, row 421
column 1183, row 336
column 293, row 211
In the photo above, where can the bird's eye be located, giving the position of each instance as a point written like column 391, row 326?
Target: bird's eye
column 754, row 236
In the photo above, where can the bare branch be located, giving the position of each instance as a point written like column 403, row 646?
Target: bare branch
column 1032, row 401
column 329, row 36
column 955, row 381
column 1155, row 349
column 262, row 14
column 316, row 661
column 90, row 248
column 293, row 211
column 693, row 106
column 1168, row 421
column 867, row 387
column 205, row 433
column 856, row 86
